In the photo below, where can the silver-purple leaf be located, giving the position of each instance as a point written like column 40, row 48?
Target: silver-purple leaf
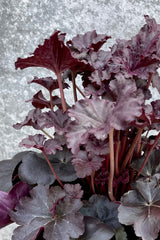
column 141, row 207
column 51, row 209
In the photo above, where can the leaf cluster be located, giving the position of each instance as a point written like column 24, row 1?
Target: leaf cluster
column 98, row 169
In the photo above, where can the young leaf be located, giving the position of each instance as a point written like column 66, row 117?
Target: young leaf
column 39, row 101
column 48, row 82
column 39, row 141
column 59, row 120
column 86, row 163
column 141, row 207
column 9, row 200
column 61, row 222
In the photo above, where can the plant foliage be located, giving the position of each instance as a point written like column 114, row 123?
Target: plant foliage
column 98, row 169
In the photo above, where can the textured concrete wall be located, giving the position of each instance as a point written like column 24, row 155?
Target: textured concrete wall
column 25, row 23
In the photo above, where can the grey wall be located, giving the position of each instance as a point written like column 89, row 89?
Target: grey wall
column 26, row 23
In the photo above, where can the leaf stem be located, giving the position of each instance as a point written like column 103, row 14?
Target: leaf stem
column 117, row 154
column 80, row 91
column 52, row 169
column 61, row 92
column 47, row 134
column 146, row 158
column 74, row 86
column 149, row 80
column 51, row 102
column 111, row 173
column 92, row 182
column 131, row 150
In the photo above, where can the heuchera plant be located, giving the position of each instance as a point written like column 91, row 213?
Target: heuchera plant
column 97, row 175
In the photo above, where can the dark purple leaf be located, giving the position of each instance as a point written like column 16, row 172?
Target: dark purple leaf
column 48, row 82
column 35, row 118
column 97, row 116
column 9, row 200
column 39, row 101
column 7, row 168
column 59, row 120
column 86, row 163
column 152, row 166
column 97, row 147
column 98, row 76
column 99, row 206
column 140, row 55
column 53, row 55
column 95, row 229
column 35, row 170
column 141, row 207
column 88, row 41
column 51, row 209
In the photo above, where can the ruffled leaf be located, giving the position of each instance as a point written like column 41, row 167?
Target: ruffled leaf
column 53, row 55
column 140, row 55
column 90, row 40
column 38, row 141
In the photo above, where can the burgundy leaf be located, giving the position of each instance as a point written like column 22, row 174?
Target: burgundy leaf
column 53, row 55
column 140, row 55
column 87, row 41
column 141, row 207
column 39, row 101
column 48, row 82
column 9, row 200
column 85, row 163
column 51, row 209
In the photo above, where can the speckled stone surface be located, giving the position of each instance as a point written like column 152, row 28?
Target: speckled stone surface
column 26, row 23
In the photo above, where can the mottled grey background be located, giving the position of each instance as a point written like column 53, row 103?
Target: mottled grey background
column 26, row 23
